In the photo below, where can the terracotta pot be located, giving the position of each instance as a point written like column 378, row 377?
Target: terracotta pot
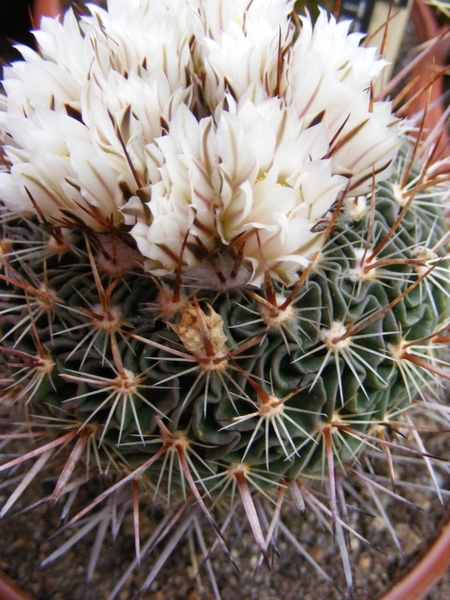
column 49, row 8
column 9, row 591
column 428, row 28
column 427, row 571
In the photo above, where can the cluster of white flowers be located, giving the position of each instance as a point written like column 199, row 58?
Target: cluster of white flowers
column 218, row 126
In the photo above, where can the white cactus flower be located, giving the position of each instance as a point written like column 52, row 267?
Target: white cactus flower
column 254, row 182
column 329, row 78
column 239, row 46
column 226, row 127
column 79, row 114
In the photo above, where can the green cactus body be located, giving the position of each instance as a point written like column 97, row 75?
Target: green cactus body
column 249, row 387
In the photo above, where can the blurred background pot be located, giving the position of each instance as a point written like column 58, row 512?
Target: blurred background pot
column 9, row 591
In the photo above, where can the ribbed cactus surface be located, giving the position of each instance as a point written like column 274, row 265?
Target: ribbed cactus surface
column 246, row 375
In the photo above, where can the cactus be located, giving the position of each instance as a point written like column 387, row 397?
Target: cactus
column 160, row 320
